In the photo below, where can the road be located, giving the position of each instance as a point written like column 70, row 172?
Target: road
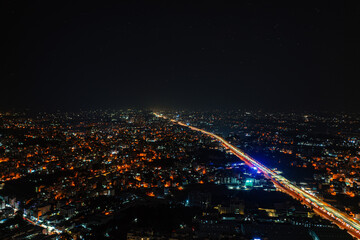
column 322, row 208
column 34, row 221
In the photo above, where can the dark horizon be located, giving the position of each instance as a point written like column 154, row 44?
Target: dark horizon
column 250, row 55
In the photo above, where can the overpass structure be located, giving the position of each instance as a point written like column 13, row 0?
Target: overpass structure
column 322, row 208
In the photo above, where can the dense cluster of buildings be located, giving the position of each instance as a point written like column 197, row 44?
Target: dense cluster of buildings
column 320, row 151
column 95, row 174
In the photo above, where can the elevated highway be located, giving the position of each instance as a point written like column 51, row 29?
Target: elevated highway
column 322, row 208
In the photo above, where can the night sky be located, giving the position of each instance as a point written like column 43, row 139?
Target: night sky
column 290, row 55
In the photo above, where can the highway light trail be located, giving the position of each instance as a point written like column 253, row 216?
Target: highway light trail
column 322, row 208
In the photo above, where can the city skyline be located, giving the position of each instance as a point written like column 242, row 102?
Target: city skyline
column 155, row 120
column 132, row 174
